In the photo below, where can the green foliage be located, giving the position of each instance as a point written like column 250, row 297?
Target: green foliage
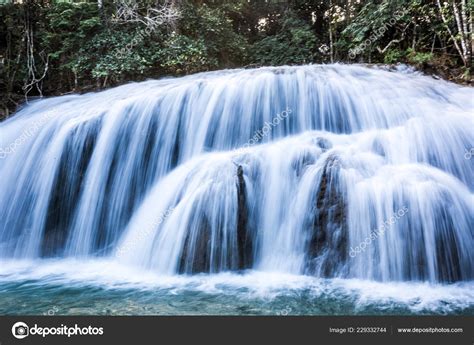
column 418, row 58
column 116, row 55
column 213, row 29
column 66, row 27
column 293, row 43
column 183, row 55
column 372, row 17
column 393, row 56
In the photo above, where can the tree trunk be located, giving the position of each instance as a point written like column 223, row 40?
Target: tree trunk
column 467, row 28
column 331, row 41
column 461, row 32
column 445, row 22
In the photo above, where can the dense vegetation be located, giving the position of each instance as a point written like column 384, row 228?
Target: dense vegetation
column 49, row 48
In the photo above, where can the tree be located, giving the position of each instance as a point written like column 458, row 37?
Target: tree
column 461, row 35
column 293, row 43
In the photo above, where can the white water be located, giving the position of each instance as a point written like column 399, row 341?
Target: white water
column 160, row 175
column 51, row 287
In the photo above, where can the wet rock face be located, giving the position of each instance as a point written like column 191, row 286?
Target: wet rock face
column 196, row 254
column 327, row 248
column 323, row 143
column 198, row 245
column 65, row 195
column 448, row 257
column 244, row 238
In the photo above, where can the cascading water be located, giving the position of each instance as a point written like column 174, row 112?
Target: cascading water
column 323, row 171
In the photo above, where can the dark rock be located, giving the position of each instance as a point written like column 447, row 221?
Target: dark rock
column 198, row 248
column 327, row 249
column 66, row 195
column 244, row 238
column 447, row 254
column 196, row 253
column 323, row 143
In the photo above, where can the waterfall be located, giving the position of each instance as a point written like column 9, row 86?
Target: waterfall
column 323, row 170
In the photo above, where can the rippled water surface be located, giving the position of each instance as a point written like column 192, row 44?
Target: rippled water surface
column 64, row 287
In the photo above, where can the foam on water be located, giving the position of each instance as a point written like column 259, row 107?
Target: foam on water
column 329, row 179
column 250, row 287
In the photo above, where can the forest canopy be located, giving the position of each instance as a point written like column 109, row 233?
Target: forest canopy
column 57, row 47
